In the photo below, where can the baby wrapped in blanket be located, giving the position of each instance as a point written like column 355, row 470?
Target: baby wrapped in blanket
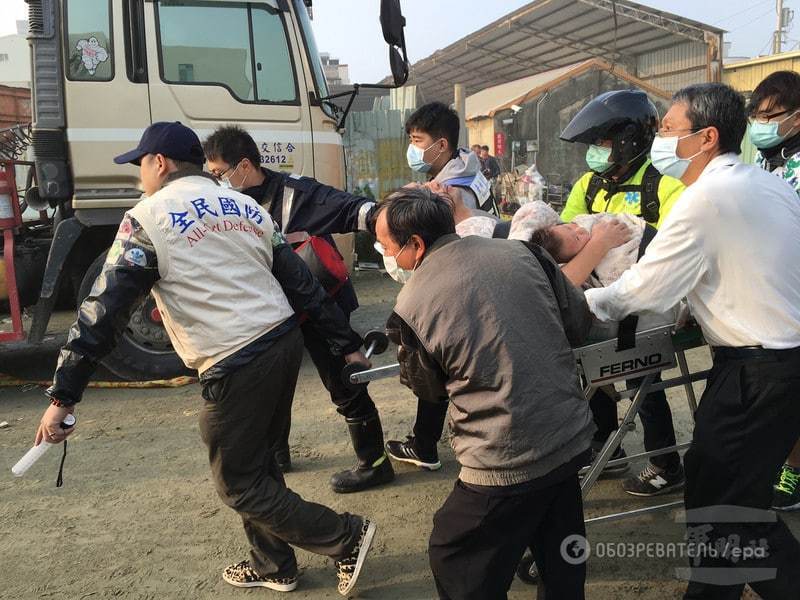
column 539, row 223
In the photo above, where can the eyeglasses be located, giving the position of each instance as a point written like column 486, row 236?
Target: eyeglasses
column 221, row 174
column 672, row 132
column 766, row 118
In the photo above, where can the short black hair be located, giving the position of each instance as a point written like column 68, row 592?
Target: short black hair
column 716, row 105
column 544, row 237
column 417, row 211
column 781, row 88
column 485, row 148
column 437, row 120
column 231, row 143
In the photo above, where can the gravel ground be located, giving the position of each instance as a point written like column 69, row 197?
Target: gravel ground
column 138, row 517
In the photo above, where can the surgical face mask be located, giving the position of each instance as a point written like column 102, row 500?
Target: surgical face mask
column 415, row 158
column 665, row 159
column 597, row 157
column 225, row 180
column 765, row 135
column 399, row 274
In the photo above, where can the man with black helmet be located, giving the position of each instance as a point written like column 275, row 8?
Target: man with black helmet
column 619, row 127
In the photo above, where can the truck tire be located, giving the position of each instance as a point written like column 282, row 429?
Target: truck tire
column 143, row 351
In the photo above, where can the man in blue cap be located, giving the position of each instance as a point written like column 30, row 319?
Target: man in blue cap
column 229, row 289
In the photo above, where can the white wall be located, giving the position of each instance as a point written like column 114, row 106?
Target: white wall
column 15, row 62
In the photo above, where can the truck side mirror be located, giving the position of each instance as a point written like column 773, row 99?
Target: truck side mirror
column 392, row 24
column 398, row 65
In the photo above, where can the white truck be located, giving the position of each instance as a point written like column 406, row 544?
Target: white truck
column 103, row 70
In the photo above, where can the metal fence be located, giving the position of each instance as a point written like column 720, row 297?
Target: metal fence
column 375, row 150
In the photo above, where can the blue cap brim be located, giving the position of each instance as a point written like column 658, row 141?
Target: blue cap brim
column 134, row 156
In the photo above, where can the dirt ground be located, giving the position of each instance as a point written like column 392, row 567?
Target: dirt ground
column 138, row 518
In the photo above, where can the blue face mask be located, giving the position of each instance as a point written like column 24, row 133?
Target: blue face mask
column 597, row 157
column 416, row 160
column 664, row 155
column 765, row 135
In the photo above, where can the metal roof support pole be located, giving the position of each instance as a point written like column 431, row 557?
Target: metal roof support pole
column 460, row 102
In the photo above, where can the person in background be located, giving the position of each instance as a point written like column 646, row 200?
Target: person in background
column 775, row 130
column 491, row 168
column 476, row 150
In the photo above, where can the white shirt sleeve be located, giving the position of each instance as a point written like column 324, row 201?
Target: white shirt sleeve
column 672, row 266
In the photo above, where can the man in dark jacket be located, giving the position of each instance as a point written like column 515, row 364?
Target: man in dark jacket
column 302, row 206
column 519, row 425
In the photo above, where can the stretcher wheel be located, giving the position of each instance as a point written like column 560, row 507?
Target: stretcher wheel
column 378, row 339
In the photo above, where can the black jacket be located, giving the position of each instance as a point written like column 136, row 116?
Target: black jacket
column 318, row 209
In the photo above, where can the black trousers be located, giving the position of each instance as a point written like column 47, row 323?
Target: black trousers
column 745, row 425
column 350, row 402
column 479, row 538
column 243, row 414
column 656, row 418
column 429, row 424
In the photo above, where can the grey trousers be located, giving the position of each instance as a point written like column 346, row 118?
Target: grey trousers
column 243, row 416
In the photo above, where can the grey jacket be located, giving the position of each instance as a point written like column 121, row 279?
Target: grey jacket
column 485, row 323
column 464, row 171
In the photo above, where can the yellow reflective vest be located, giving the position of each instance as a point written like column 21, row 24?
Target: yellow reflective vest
column 669, row 190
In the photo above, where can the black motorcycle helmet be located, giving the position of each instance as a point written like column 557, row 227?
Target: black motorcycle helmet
column 626, row 117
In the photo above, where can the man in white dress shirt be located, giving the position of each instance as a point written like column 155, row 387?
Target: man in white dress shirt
column 731, row 246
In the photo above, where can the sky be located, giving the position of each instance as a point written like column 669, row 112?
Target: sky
column 350, row 31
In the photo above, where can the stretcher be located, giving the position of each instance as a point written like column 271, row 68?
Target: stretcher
column 607, row 362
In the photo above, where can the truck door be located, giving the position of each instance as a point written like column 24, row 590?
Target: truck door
column 107, row 104
column 221, row 62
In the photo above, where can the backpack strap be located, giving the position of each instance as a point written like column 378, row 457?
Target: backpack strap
column 595, row 185
column 650, row 203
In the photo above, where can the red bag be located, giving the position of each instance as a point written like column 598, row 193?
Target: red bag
column 324, row 262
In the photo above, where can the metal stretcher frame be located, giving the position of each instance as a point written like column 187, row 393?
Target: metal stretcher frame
column 602, row 363
column 655, row 350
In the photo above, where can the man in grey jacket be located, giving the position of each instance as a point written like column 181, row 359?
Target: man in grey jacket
column 519, row 425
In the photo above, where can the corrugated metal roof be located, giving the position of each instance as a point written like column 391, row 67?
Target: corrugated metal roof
column 553, row 34
column 760, row 60
column 492, row 100
column 485, row 102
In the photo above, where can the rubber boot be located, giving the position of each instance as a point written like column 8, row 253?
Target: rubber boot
column 373, row 466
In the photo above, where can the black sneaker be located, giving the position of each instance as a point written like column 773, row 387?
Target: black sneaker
column 654, row 481
column 407, row 452
column 613, row 469
column 786, row 491
column 243, row 575
column 349, row 568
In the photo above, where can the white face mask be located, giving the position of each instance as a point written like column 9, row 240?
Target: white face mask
column 225, row 180
column 399, row 274
column 664, row 155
